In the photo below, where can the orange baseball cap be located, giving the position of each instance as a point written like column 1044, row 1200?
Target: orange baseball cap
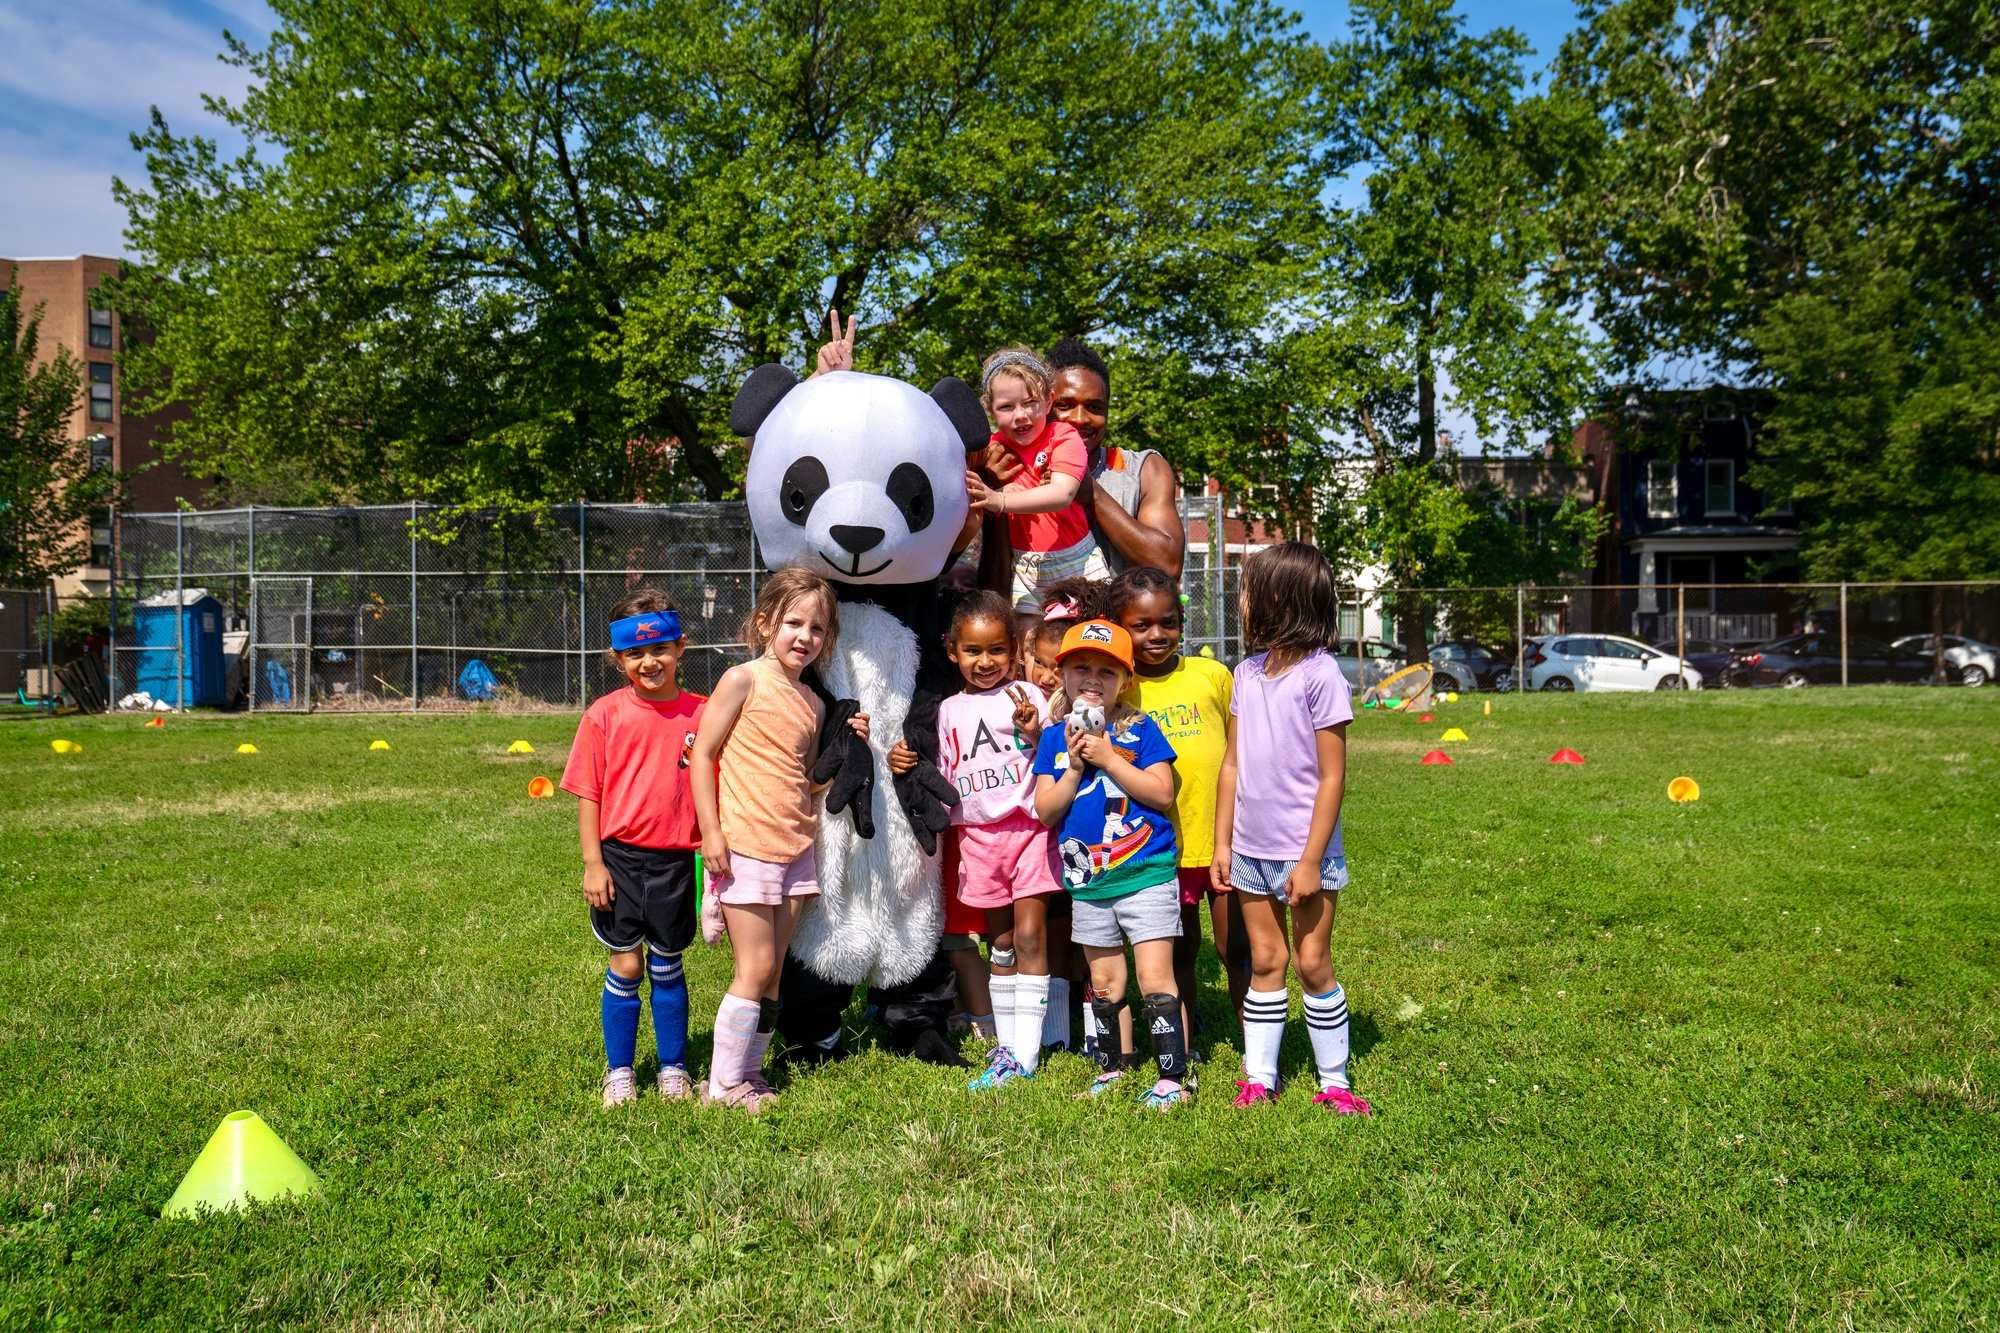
column 1097, row 636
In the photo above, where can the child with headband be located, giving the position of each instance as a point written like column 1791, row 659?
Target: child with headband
column 636, row 822
column 1051, row 532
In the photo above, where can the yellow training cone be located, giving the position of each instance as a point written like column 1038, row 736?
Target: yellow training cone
column 520, row 747
column 1486, row 708
column 65, row 747
column 1682, row 790
column 378, row 745
column 1454, row 734
column 1451, row 696
column 244, row 1162
column 246, row 748
column 541, row 789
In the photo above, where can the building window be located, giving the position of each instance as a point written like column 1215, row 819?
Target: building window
column 100, row 391
column 100, row 327
column 100, row 452
column 1662, row 489
column 100, row 540
column 1719, row 474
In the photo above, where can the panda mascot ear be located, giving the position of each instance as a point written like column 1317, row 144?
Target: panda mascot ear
column 760, row 393
column 961, row 405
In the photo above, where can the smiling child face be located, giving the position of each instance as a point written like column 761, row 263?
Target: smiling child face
column 1017, row 413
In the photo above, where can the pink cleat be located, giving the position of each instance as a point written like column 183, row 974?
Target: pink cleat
column 1252, row 1094
column 1343, row 1101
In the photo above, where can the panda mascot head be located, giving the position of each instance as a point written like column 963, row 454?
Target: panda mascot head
column 861, row 479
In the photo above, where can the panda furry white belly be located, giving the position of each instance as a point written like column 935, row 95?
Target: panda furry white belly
column 879, row 914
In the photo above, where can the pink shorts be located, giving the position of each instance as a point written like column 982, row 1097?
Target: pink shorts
column 1195, row 883
column 754, row 883
column 998, row 863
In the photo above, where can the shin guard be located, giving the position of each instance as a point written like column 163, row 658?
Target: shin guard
column 1163, row 1023
column 1109, row 1057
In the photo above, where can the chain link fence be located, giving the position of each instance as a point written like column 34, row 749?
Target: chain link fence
column 407, row 607
column 411, row 608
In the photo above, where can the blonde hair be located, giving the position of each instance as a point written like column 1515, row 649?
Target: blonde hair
column 776, row 596
column 1023, row 365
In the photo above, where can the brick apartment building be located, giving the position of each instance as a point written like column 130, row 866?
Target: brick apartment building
column 95, row 337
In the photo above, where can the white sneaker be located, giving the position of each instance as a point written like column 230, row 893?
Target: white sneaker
column 620, row 1087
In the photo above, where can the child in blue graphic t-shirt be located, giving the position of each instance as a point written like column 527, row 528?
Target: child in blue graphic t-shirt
column 1104, row 780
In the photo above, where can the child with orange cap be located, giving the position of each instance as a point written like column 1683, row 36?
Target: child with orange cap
column 1105, row 781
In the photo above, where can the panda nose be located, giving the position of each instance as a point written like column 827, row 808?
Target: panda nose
column 856, row 539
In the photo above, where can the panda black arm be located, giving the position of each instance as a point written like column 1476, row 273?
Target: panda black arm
column 844, row 761
column 924, row 793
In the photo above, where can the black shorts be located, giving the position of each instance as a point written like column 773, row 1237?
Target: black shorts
column 652, row 899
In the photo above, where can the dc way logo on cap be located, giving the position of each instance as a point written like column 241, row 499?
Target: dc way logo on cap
column 1094, row 633
column 646, row 629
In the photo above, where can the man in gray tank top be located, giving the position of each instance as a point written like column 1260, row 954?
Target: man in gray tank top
column 1129, row 495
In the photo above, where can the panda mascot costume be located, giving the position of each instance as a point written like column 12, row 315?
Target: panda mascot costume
column 861, row 479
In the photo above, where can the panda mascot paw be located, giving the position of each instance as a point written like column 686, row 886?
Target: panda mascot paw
column 861, row 479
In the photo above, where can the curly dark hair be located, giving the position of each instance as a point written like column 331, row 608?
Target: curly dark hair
column 1070, row 352
column 1088, row 594
column 1133, row 584
column 979, row 604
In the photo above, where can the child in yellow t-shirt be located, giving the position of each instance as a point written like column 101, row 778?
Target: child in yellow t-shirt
column 1188, row 698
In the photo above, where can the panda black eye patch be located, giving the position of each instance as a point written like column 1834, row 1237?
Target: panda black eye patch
column 804, row 482
column 910, row 491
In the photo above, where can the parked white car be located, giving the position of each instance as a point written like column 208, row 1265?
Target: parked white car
column 1974, row 662
column 1605, row 662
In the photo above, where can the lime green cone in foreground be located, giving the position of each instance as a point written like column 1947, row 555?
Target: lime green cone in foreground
column 244, row 1162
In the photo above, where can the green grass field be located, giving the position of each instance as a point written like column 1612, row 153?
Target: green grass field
column 1730, row 1062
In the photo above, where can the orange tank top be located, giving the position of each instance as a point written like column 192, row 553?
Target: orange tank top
column 765, row 791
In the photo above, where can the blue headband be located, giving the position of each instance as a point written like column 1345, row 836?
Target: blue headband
column 644, row 628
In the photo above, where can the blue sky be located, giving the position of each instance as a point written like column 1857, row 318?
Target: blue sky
column 78, row 76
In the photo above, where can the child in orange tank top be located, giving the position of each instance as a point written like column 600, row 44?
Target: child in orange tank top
column 753, row 796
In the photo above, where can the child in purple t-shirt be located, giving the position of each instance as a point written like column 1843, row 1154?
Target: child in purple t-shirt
column 986, row 746
column 1277, row 820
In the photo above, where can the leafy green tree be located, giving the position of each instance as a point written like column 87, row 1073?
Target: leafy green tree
column 1801, row 198
column 48, row 489
column 1440, row 291
column 507, row 252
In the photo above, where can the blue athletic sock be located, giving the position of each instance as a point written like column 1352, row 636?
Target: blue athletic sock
column 621, row 1019
column 670, row 1008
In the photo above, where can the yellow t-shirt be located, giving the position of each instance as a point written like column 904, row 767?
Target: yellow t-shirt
column 1191, row 706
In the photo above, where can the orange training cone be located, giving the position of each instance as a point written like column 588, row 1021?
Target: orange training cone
column 541, row 789
column 244, row 1162
column 156, row 722
column 1565, row 756
column 1437, row 757
column 1427, row 717
column 1682, row 790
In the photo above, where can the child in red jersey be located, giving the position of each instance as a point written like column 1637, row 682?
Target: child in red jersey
column 1050, row 531
column 636, row 823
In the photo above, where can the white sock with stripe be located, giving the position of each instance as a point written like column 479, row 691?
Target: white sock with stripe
column 1031, row 1003
column 1326, row 1024
column 1263, row 1033
column 1002, row 990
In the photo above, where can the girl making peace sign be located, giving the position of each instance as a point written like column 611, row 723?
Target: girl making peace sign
column 986, row 740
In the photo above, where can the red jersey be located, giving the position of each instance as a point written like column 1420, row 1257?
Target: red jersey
column 631, row 756
column 1058, row 449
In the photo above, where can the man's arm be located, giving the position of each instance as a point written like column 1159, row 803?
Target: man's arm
column 1154, row 536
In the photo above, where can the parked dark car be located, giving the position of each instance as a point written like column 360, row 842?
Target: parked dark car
column 1708, row 656
column 1468, row 665
column 1814, row 659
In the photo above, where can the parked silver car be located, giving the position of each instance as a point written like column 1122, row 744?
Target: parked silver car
column 1970, row 661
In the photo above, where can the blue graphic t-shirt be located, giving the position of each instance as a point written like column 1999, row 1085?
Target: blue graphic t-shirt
column 1111, row 845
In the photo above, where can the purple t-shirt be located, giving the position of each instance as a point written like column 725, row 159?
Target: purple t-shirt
column 1277, row 755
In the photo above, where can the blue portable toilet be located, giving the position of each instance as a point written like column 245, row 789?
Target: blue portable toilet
column 200, row 616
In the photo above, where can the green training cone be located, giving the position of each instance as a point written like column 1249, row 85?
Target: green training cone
column 244, row 1162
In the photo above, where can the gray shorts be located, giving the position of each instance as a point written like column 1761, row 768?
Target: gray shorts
column 1149, row 914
